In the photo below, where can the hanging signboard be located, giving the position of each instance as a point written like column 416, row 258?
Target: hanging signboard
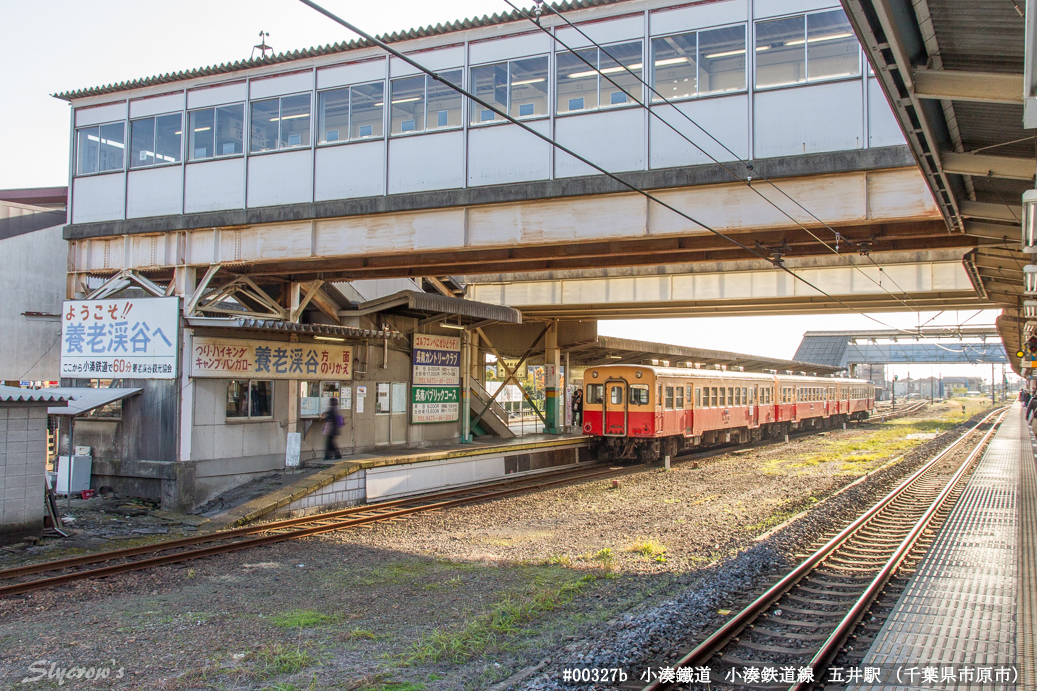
column 434, row 404
column 436, row 379
column 437, row 360
column 228, row 358
column 132, row 338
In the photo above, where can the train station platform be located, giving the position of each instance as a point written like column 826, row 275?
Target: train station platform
column 393, row 473
column 968, row 616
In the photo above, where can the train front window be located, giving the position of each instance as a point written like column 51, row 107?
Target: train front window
column 639, row 394
column 594, row 393
column 616, row 395
column 669, row 398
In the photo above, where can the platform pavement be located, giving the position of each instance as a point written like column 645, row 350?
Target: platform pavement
column 971, row 602
column 284, row 495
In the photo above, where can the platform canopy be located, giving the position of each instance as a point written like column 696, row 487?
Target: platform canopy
column 608, row 350
column 953, row 71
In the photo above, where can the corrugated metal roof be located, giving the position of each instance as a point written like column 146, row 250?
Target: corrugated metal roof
column 82, row 399
column 288, row 327
column 343, row 47
column 13, row 394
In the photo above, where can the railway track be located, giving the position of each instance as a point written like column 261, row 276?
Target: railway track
column 24, row 579
column 15, row 581
column 806, row 618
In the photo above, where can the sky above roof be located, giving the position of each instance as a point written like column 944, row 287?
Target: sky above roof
column 64, row 45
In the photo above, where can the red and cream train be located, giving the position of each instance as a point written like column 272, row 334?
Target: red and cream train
column 642, row 412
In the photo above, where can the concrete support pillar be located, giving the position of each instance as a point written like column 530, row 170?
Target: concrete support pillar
column 552, row 370
column 466, row 387
column 186, row 416
column 476, row 360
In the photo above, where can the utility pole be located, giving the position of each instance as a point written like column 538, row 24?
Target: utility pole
column 993, row 400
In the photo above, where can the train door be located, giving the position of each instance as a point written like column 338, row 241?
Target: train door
column 615, row 405
column 754, row 409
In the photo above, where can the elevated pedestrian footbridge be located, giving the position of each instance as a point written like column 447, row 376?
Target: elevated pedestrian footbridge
column 341, row 163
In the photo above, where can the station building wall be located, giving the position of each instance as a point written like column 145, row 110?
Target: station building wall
column 357, row 125
column 135, row 446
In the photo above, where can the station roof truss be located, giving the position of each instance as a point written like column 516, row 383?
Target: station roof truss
column 953, row 72
column 609, row 350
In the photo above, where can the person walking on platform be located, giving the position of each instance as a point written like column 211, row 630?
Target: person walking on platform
column 1024, row 396
column 333, row 422
column 577, row 405
column 1030, row 407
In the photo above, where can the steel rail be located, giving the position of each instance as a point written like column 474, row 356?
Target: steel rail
column 217, row 536
column 702, row 653
column 59, row 564
column 272, row 537
column 320, row 522
column 837, row 639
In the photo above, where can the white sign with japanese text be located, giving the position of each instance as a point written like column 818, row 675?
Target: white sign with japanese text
column 132, row 338
column 435, row 379
column 227, row 358
column 437, row 360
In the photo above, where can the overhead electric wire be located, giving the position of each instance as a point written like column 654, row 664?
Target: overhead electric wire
column 632, row 187
column 749, row 167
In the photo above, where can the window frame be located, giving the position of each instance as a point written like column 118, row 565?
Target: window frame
column 599, row 107
column 698, row 94
column 154, row 142
column 639, row 400
column 245, row 129
column 469, row 107
column 97, row 171
column 280, row 133
column 807, row 80
column 348, row 88
column 668, row 403
column 594, row 395
column 425, row 129
column 248, row 402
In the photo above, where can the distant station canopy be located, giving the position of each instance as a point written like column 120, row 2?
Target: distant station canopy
column 842, row 349
column 608, row 350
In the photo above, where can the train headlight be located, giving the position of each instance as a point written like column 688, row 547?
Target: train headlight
column 639, row 374
column 594, row 374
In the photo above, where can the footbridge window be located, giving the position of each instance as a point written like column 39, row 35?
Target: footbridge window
column 216, row 132
column 518, row 87
column 581, row 87
column 422, row 103
column 100, row 149
column 805, row 47
column 155, row 141
column 280, row 123
column 351, row 113
column 699, row 63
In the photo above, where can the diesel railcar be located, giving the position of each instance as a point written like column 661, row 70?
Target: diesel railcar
column 642, row 412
